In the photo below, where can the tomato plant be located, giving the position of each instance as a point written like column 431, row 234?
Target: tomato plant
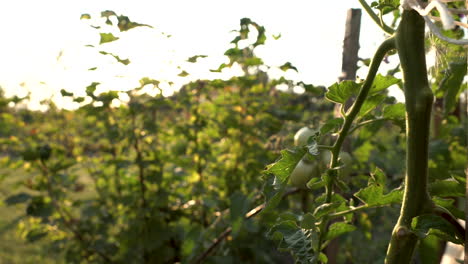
column 138, row 177
column 423, row 215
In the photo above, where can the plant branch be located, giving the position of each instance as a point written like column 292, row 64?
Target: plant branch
column 382, row 50
column 376, row 19
column 357, row 126
column 255, row 211
column 352, row 210
column 385, row 47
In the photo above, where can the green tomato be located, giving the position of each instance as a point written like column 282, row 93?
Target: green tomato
column 302, row 135
column 344, row 157
column 303, row 172
column 325, row 158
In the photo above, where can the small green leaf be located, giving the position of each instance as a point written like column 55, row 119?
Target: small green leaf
column 107, row 37
column 125, row 24
column 145, row 81
column 194, row 59
column 17, row 198
column 220, row 68
column 91, row 88
column 341, row 92
column 338, row 229
column 255, row 61
column 85, row 16
column 92, row 69
column 430, row 224
column 183, row 74
column 123, row 61
column 64, row 93
column 288, row 66
column 108, row 13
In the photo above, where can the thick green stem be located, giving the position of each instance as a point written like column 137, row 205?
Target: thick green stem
column 418, row 100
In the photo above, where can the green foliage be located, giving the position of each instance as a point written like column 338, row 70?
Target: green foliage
column 157, row 179
column 295, row 239
column 429, row 224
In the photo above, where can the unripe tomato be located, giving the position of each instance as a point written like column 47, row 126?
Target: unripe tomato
column 303, row 172
column 302, row 135
column 344, row 157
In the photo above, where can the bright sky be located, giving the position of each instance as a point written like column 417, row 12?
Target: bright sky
column 43, row 42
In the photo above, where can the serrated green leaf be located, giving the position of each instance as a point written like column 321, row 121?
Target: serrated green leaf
column 338, row 229
column 341, row 92
column 295, row 239
column 373, row 195
column 107, row 37
column 447, row 188
column 381, row 83
column 283, row 167
column 430, row 224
